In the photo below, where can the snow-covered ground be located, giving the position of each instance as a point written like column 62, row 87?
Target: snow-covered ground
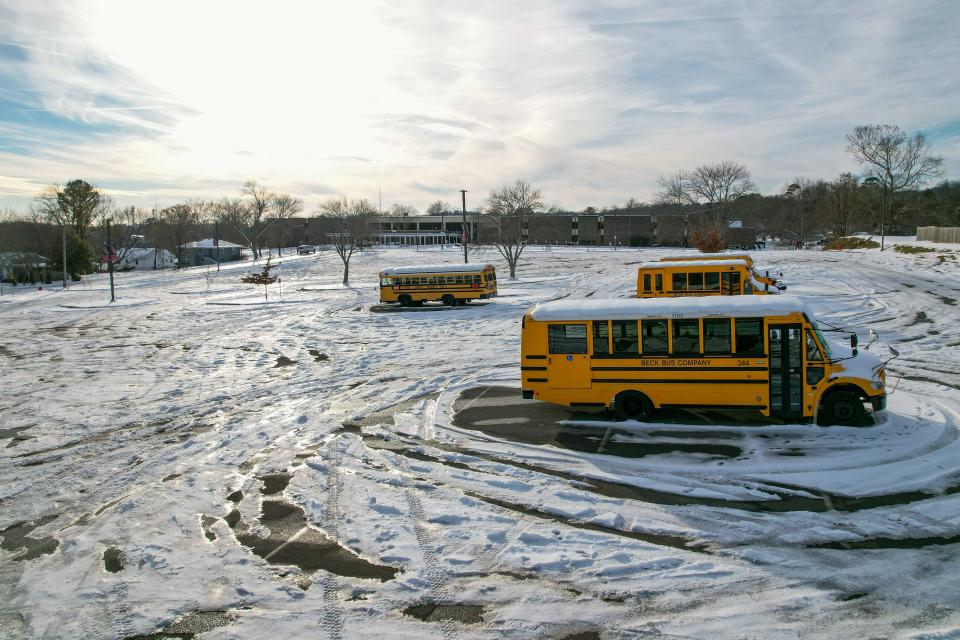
column 194, row 459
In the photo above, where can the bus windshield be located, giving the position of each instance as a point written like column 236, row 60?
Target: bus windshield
column 823, row 341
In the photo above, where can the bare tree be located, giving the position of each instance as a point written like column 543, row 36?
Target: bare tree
column 234, row 214
column 840, row 203
column 285, row 206
column 510, row 208
column 180, row 222
column 714, row 185
column 127, row 231
column 402, row 210
column 259, row 204
column 349, row 221
column 437, row 207
column 899, row 161
column 806, row 197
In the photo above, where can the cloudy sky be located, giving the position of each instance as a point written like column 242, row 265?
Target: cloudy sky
column 156, row 101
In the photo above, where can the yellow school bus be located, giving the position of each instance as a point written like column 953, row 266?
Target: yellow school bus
column 763, row 278
column 699, row 278
column 451, row 284
column 757, row 354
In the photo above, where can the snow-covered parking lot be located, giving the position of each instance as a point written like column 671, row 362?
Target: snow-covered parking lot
column 194, row 460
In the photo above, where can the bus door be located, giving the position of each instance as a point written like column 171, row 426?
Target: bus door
column 730, row 283
column 786, row 370
column 568, row 362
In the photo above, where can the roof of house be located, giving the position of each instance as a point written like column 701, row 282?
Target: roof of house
column 208, row 243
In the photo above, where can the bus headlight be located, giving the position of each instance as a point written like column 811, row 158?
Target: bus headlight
column 877, row 384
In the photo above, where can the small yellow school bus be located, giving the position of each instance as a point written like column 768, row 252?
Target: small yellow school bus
column 451, row 284
column 757, row 354
column 698, row 278
column 763, row 278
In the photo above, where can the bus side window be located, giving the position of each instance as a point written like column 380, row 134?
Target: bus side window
column 695, row 282
column 747, row 287
column 654, row 337
column 658, row 280
column 686, row 337
column 749, row 336
column 459, row 279
column 711, row 281
column 716, row 336
column 601, row 337
column 625, row 336
column 567, row 338
column 476, row 279
column 679, row 282
column 646, row 282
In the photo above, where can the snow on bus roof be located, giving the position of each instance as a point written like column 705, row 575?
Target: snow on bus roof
column 694, row 263
column 706, row 256
column 634, row 308
column 436, row 268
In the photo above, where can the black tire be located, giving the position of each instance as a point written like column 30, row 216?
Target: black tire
column 633, row 405
column 843, row 408
column 405, row 301
column 448, row 300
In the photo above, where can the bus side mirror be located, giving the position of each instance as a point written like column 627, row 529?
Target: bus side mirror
column 768, row 273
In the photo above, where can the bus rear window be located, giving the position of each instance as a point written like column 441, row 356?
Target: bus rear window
column 654, row 337
column 749, row 333
column 567, row 338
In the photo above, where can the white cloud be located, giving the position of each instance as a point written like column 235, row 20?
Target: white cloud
column 591, row 102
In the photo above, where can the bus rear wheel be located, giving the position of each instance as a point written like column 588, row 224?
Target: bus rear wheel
column 842, row 408
column 449, row 300
column 633, row 405
column 405, row 300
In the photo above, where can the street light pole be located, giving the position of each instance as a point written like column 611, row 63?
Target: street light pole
column 463, row 194
column 64, row 255
column 883, row 205
column 110, row 260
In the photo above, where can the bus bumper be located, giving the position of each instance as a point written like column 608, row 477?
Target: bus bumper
column 879, row 403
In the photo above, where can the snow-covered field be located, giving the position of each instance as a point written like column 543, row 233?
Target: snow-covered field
column 192, row 459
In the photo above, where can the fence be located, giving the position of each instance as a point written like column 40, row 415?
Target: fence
column 939, row 234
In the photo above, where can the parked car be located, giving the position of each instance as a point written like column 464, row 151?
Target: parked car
column 305, row 249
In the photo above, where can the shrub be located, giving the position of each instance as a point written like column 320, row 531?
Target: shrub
column 906, row 248
column 851, row 242
column 710, row 242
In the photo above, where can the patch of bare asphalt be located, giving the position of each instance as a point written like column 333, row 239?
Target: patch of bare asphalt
column 284, row 361
column 292, row 541
column 17, row 540
column 435, row 612
column 189, row 626
column 274, row 483
column 113, row 560
column 318, row 356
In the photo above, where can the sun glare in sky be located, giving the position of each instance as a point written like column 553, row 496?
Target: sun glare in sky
column 157, row 102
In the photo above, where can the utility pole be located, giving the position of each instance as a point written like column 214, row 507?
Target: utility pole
column 64, row 254
column 380, row 196
column 110, row 260
column 463, row 194
column 216, row 241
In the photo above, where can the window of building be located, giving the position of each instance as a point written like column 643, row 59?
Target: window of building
column 567, row 338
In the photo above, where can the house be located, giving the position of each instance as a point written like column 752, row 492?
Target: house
column 207, row 251
column 22, row 266
column 145, row 259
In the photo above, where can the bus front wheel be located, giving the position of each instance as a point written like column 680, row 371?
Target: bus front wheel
column 632, row 405
column 405, row 301
column 449, row 300
column 843, row 408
